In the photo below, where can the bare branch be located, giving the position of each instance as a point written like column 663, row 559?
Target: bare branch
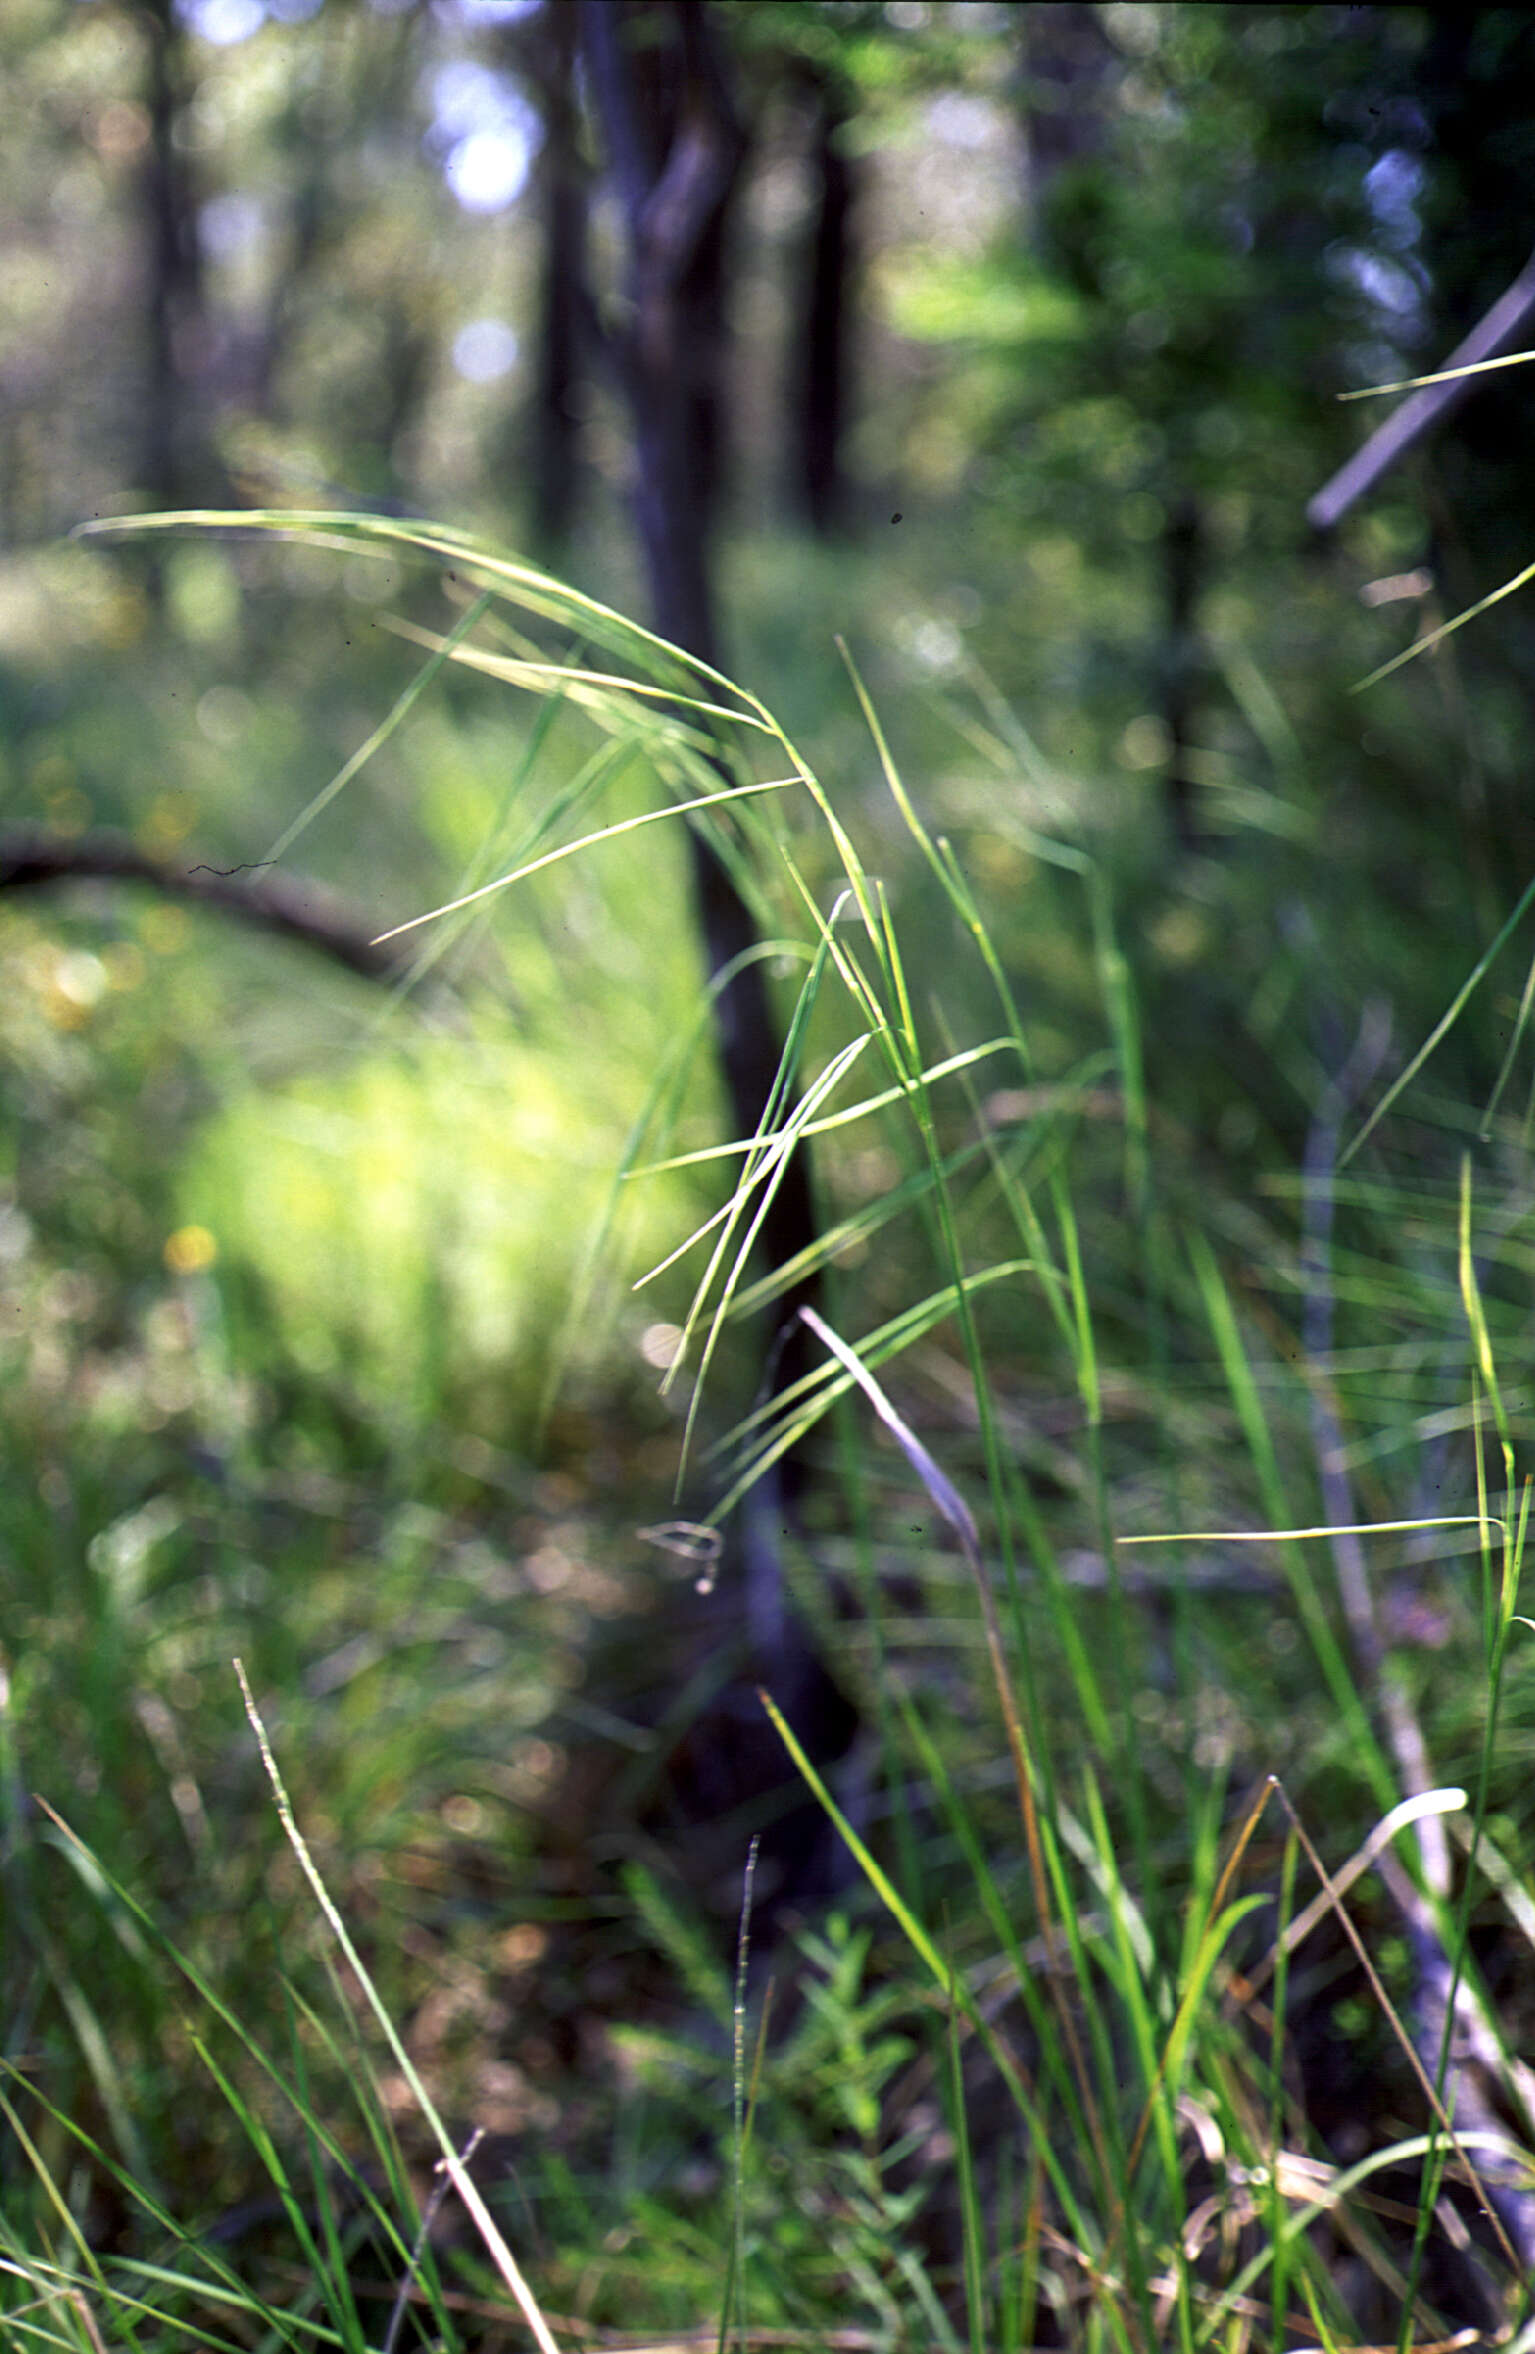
column 273, row 902
column 1426, row 408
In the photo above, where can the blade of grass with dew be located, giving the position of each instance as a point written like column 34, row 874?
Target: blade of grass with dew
column 733, row 2299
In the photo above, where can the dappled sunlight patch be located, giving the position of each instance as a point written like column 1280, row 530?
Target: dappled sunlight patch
column 418, row 1221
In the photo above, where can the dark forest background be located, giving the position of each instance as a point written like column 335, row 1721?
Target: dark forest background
column 961, row 380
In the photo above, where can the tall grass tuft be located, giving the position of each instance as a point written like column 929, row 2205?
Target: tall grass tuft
column 1171, row 2002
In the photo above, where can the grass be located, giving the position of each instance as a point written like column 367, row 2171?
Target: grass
column 1128, row 2029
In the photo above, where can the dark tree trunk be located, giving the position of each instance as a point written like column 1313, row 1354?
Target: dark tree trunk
column 547, row 56
column 1066, row 60
column 1183, row 573
column 674, row 148
column 824, row 337
column 174, row 306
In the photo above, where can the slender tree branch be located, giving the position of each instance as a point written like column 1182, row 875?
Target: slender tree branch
column 271, row 901
column 1426, row 408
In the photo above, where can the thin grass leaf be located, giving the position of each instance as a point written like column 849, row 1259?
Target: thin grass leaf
column 387, row 726
column 972, row 2222
column 825, row 1126
column 774, row 1162
column 957, row 1512
column 500, row 2254
column 613, row 833
column 217, row 2280
column 733, row 2301
column 1431, row 2093
column 1254, row 1420
column 1000, row 1915
column 927, row 1953
column 786, row 1419
column 1443, row 1026
column 1435, row 637
column 764, row 1154
column 1370, row 392
column 602, row 695
column 1295, row 1536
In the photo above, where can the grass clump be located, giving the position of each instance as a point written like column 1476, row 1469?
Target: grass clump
column 1170, row 1536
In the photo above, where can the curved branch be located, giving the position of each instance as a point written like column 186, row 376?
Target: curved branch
column 271, row 901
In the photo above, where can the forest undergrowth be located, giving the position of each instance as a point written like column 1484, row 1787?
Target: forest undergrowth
column 1165, row 1537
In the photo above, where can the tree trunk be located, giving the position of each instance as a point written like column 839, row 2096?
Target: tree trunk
column 674, row 147
column 550, row 60
column 174, row 306
column 1183, row 555
column 822, row 387
column 676, row 164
